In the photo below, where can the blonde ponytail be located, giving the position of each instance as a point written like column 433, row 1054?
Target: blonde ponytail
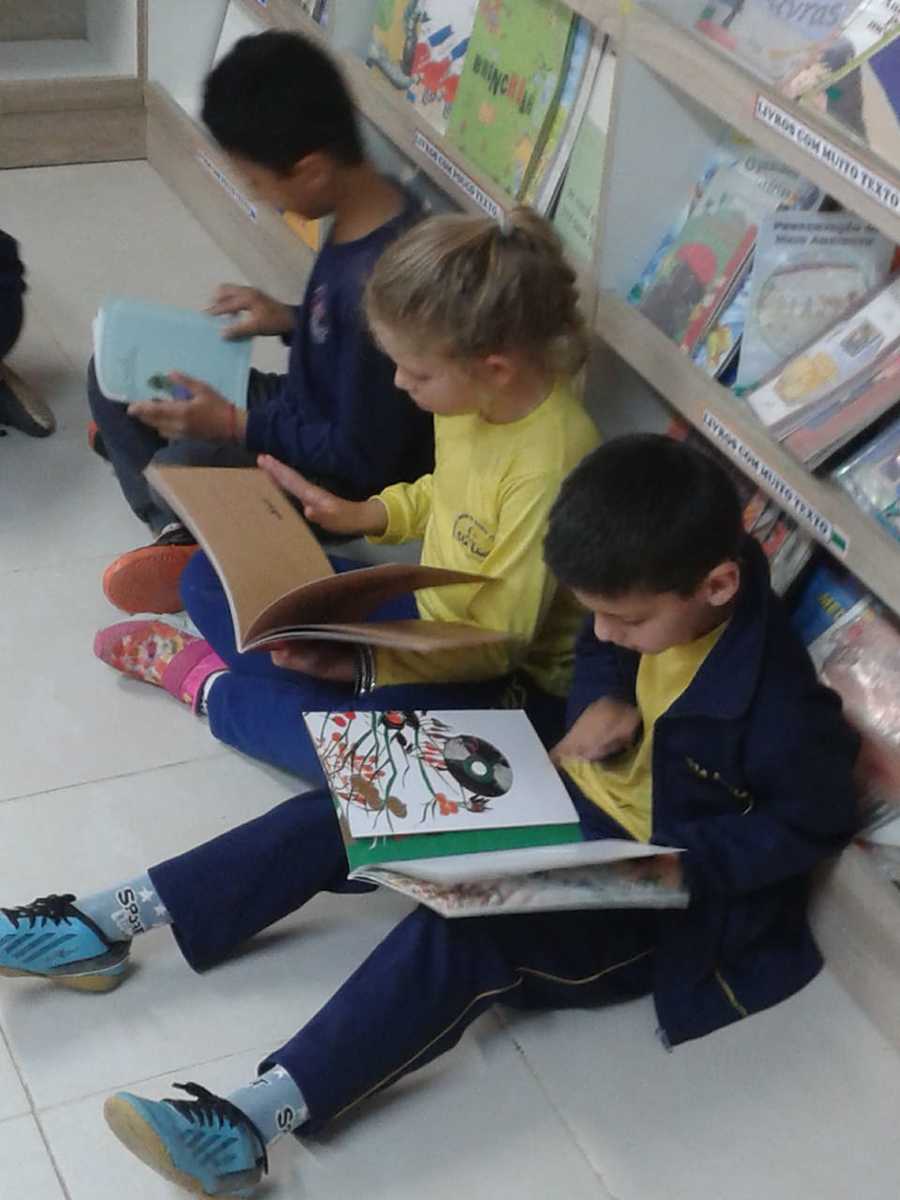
column 470, row 286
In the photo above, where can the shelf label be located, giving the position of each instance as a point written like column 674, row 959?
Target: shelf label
column 456, row 175
column 876, row 186
column 789, row 497
column 225, row 183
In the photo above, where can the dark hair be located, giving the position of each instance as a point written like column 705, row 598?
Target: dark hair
column 643, row 513
column 276, row 97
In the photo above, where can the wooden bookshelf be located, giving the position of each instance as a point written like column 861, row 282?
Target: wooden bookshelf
column 704, row 73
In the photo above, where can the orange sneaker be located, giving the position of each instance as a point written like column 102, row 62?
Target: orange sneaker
column 147, row 579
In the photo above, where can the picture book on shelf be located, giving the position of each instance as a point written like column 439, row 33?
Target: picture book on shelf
column 464, row 812
column 774, row 38
column 545, row 171
column 716, row 351
column 512, row 79
column 858, row 655
column 576, row 211
column 808, row 270
column 867, row 27
column 831, row 368
column 699, row 265
column 420, row 47
column 864, row 99
column 279, row 582
column 138, row 342
column 872, row 478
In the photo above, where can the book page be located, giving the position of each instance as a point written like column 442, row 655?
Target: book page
column 399, row 773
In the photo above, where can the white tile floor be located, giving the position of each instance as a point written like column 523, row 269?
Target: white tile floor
column 98, row 778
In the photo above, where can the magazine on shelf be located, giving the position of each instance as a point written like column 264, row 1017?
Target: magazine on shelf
column 420, row 46
column 720, row 345
column 809, row 269
column 858, row 655
column 699, row 265
column 546, row 169
column 278, row 580
column 872, row 477
column 138, row 342
column 513, row 75
column 864, row 99
column 774, row 38
column 832, row 368
column 575, row 216
column 864, row 31
column 464, row 812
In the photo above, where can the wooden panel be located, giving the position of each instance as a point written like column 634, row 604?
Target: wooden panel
column 33, row 139
column 61, row 95
column 855, row 916
column 265, row 249
column 871, row 553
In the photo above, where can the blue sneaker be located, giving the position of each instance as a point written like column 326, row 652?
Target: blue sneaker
column 205, row 1145
column 51, row 939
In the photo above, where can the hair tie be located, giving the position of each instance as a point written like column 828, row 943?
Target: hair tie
column 505, row 223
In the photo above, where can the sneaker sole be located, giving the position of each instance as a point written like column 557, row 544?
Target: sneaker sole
column 139, row 1136
column 104, row 979
column 147, row 580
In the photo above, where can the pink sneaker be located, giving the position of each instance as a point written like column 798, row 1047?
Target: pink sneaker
column 157, row 653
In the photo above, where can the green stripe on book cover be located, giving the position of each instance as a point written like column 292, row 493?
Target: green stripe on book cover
column 368, row 852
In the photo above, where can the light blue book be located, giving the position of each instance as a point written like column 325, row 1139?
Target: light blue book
column 137, row 343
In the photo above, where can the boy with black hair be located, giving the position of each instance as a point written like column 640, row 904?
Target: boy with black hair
column 278, row 107
column 726, row 746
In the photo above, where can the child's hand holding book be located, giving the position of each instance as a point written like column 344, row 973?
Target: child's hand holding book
column 605, row 728
column 257, row 314
column 322, row 507
column 204, row 414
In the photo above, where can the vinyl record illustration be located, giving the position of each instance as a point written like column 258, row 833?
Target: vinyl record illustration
column 477, row 766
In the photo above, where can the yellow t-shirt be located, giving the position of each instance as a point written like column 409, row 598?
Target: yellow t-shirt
column 623, row 788
column 484, row 509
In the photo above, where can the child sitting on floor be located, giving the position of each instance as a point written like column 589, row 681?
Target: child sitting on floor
column 482, row 322
column 727, row 746
column 278, row 107
column 20, row 407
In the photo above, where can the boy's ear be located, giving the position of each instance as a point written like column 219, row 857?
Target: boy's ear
column 313, row 170
column 722, row 583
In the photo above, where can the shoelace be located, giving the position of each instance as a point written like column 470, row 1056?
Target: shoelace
column 206, row 1108
column 46, row 908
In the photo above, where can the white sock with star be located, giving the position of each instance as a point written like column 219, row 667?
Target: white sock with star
column 126, row 909
column 273, row 1102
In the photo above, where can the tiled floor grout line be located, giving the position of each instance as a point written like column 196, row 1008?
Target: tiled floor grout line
column 71, row 787
column 33, row 1112
column 557, row 1111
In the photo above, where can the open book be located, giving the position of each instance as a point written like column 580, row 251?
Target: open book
column 278, row 580
column 464, row 812
column 137, row 343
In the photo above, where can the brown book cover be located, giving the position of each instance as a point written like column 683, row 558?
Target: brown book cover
column 278, row 580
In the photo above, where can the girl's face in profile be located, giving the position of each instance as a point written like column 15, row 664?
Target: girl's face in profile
column 434, row 382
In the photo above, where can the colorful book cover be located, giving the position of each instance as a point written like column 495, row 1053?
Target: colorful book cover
column 774, row 38
column 827, row 369
column 872, row 478
column 865, row 100
column 546, row 167
column 809, row 269
column 828, row 593
column 577, row 210
column 864, row 32
column 692, row 274
column 716, row 351
column 510, row 86
column 420, row 47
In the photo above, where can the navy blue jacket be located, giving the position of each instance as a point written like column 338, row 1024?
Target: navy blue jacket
column 338, row 416
column 752, row 778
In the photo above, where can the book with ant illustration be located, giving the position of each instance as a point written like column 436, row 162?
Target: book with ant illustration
column 279, row 582
column 137, row 343
column 465, row 813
